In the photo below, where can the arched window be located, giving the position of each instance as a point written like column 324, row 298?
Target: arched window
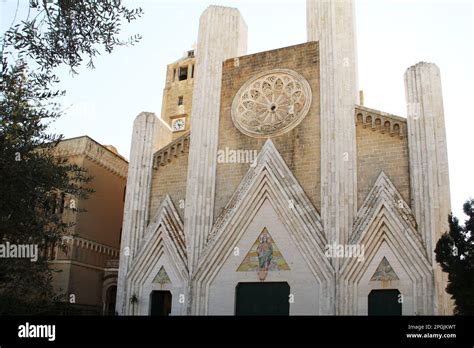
column 110, row 298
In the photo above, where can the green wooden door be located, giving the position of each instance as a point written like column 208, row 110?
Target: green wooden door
column 262, row 298
column 385, row 302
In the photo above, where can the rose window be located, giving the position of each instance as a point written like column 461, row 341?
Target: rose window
column 271, row 103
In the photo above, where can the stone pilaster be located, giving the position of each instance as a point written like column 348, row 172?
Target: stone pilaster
column 222, row 35
column 429, row 174
column 332, row 23
column 136, row 200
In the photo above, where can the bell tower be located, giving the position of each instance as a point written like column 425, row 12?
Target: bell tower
column 178, row 93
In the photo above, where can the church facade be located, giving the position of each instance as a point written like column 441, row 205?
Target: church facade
column 266, row 187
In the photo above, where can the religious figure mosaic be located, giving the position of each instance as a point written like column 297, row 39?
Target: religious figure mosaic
column 264, row 256
column 384, row 272
column 162, row 277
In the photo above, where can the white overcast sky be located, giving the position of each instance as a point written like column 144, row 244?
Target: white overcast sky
column 392, row 35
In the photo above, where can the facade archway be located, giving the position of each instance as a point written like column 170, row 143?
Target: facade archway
column 110, row 299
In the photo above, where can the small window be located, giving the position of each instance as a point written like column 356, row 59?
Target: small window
column 191, row 54
column 50, row 251
column 174, row 75
column 61, row 204
column 180, row 101
column 183, row 73
column 53, row 205
column 192, row 71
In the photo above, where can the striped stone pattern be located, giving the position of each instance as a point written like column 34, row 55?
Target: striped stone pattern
column 137, row 197
column 222, row 35
column 332, row 23
column 428, row 162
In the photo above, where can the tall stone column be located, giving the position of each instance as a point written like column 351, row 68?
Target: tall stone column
column 136, row 200
column 332, row 23
column 222, row 35
column 429, row 173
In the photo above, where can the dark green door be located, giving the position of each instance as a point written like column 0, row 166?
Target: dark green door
column 262, row 299
column 160, row 303
column 385, row 302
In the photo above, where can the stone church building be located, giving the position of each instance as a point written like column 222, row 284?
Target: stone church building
column 267, row 187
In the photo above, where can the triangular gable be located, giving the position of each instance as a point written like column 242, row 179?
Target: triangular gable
column 384, row 194
column 270, row 180
column 385, row 218
column 385, row 206
column 264, row 255
column 163, row 236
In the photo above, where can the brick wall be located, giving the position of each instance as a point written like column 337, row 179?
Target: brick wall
column 377, row 151
column 169, row 179
column 300, row 148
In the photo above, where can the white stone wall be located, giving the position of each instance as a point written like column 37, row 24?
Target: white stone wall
column 404, row 284
column 176, row 287
column 383, row 228
column 303, row 285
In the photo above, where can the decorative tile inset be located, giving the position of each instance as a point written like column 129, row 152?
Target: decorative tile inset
column 162, row 277
column 384, row 272
column 264, row 256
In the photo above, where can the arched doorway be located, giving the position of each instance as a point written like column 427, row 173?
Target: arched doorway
column 385, row 302
column 269, row 298
column 110, row 297
column 160, row 303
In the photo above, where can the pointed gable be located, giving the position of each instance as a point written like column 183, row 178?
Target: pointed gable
column 269, row 180
column 384, row 224
column 164, row 236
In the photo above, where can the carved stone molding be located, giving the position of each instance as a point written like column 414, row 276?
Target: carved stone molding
column 271, row 103
column 381, row 121
column 174, row 149
column 85, row 146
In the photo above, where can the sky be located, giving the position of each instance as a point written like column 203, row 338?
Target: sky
column 392, row 35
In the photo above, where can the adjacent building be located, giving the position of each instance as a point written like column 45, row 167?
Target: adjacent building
column 87, row 270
